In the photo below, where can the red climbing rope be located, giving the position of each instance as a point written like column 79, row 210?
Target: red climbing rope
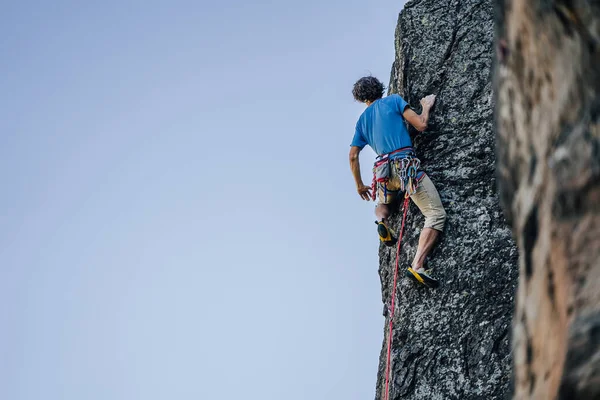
column 389, row 347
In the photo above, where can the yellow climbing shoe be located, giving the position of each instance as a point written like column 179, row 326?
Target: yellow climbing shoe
column 422, row 277
column 386, row 235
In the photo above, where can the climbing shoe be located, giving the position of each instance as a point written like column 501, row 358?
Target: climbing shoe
column 386, row 235
column 422, row 278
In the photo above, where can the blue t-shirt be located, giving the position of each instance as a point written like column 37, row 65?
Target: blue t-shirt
column 382, row 126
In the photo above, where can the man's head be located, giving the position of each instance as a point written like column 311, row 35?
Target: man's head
column 368, row 89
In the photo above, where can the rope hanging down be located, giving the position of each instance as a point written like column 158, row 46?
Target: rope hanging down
column 390, row 334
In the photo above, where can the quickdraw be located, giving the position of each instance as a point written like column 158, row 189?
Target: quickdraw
column 406, row 168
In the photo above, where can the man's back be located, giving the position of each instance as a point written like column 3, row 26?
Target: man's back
column 382, row 126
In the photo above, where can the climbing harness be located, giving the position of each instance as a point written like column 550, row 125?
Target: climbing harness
column 391, row 312
column 405, row 167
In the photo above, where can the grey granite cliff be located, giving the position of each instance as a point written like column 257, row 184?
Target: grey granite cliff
column 452, row 342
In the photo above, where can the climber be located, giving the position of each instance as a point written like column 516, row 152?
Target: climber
column 382, row 126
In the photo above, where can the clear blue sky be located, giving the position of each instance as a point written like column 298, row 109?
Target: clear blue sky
column 177, row 215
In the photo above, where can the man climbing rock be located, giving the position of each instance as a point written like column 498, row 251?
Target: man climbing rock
column 397, row 169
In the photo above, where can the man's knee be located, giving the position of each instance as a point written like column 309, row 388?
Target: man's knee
column 382, row 211
column 436, row 219
column 442, row 218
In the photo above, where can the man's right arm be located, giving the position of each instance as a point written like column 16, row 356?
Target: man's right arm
column 420, row 121
column 363, row 190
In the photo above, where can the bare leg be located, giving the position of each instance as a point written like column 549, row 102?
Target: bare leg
column 428, row 200
column 427, row 241
column 382, row 211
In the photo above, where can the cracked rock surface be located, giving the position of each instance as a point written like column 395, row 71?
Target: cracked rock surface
column 452, row 342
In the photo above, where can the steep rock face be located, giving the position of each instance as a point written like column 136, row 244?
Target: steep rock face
column 549, row 164
column 452, row 342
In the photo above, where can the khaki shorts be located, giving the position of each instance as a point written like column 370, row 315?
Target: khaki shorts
column 426, row 198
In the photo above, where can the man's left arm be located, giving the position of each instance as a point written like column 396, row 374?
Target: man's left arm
column 363, row 191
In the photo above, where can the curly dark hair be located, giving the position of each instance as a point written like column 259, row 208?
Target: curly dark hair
column 368, row 88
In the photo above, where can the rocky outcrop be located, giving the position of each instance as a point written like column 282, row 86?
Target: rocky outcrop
column 549, row 163
column 452, row 342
